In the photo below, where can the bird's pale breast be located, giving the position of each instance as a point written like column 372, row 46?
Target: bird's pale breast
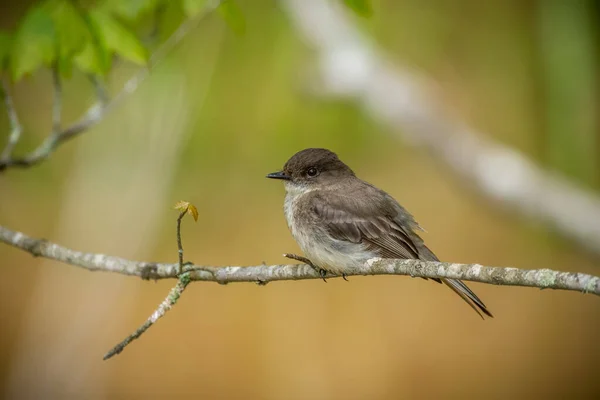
column 311, row 234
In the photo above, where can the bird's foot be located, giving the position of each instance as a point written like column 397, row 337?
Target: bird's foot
column 322, row 273
column 345, row 277
column 186, row 267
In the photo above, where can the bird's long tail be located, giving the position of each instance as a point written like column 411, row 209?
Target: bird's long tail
column 468, row 296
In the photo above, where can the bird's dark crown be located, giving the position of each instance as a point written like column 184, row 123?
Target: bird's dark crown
column 322, row 160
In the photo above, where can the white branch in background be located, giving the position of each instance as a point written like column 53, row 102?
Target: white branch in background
column 262, row 274
column 350, row 65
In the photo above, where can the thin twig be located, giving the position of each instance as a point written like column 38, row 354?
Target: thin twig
column 98, row 111
column 100, row 89
column 179, row 246
column 15, row 125
column 162, row 309
column 540, row 278
column 168, row 302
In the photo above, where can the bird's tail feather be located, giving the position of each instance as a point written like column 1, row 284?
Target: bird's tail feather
column 468, row 296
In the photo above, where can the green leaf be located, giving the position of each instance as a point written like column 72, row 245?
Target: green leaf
column 72, row 32
column 231, row 13
column 118, row 39
column 33, row 45
column 360, row 7
column 130, row 10
column 193, row 7
column 169, row 20
column 93, row 59
column 5, row 44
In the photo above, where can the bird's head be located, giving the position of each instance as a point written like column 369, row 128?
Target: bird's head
column 310, row 169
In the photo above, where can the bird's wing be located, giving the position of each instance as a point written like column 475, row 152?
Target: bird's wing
column 384, row 229
column 364, row 223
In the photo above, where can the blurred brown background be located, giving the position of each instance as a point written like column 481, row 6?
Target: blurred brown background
column 223, row 110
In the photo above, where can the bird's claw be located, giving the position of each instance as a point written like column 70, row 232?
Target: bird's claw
column 322, row 273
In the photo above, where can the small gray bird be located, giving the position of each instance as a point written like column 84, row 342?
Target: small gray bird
column 340, row 221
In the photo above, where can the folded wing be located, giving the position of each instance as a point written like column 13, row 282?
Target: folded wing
column 386, row 229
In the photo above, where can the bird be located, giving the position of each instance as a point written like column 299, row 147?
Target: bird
column 340, row 221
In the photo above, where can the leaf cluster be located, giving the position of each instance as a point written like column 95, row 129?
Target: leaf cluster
column 67, row 34
column 88, row 36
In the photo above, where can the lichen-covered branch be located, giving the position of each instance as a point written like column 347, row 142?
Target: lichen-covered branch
column 262, row 274
column 162, row 309
column 168, row 302
column 350, row 65
column 98, row 110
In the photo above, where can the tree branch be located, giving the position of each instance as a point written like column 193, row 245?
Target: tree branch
column 98, row 110
column 179, row 245
column 15, row 125
column 168, row 302
column 351, row 66
column 262, row 274
column 162, row 309
column 101, row 93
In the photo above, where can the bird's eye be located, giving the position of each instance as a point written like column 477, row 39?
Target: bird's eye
column 312, row 172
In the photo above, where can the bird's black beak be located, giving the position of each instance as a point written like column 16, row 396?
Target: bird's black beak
column 278, row 175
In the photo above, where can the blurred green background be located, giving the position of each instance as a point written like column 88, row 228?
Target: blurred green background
column 217, row 115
